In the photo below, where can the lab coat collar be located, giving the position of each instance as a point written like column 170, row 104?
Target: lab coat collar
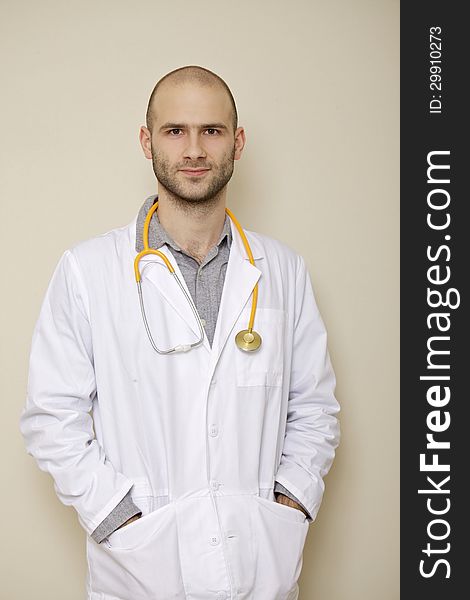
column 240, row 280
column 153, row 269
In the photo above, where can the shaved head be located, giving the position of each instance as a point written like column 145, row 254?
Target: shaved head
column 191, row 74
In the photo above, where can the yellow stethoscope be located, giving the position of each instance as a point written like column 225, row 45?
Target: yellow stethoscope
column 247, row 339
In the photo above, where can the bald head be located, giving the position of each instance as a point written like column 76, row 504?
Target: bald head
column 194, row 75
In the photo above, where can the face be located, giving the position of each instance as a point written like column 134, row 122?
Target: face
column 193, row 145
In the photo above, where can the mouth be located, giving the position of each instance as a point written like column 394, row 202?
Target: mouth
column 194, row 172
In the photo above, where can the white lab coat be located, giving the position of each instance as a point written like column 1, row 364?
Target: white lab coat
column 200, row 437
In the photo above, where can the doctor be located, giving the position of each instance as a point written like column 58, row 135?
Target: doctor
column 195, row 473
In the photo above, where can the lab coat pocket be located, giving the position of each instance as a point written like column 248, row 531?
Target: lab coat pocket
column 281, row 532
column 139, row 561
column 263, row 367
column 135, row 534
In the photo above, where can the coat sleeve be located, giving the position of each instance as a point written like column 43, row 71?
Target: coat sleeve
column 312, row 428
column 57, row 422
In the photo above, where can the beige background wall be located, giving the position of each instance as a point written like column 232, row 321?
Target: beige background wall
column 316, row 85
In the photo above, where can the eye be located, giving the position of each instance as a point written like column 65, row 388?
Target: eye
column 174, row 129
column 211, row 129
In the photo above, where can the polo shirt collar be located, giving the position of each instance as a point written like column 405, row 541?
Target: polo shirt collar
column 158, row 236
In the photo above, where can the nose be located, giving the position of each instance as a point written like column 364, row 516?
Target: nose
column 194, row 148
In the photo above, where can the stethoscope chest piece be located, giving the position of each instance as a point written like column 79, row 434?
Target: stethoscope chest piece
column 247, row 340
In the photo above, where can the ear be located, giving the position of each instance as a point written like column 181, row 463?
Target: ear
column 145, row 138
column 239, row 142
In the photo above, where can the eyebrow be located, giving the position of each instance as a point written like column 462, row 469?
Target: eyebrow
column 183, row 126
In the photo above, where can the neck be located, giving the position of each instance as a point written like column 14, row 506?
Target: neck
column 195, row 227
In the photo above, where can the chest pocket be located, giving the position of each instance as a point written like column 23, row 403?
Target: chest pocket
column 263, row 367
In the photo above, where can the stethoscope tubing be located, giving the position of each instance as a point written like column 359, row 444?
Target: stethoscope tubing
column 180, row 347
column 247, row 340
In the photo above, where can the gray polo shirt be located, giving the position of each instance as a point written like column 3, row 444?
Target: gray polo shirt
column 205, row 282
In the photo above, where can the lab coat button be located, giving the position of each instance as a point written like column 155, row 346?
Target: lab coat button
column 214, row 540
column 214, row 484
column 221, row 596
column 213, row 430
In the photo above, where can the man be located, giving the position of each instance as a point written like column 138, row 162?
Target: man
column 197, row 473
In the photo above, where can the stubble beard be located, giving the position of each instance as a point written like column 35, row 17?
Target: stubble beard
column 193, row 195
